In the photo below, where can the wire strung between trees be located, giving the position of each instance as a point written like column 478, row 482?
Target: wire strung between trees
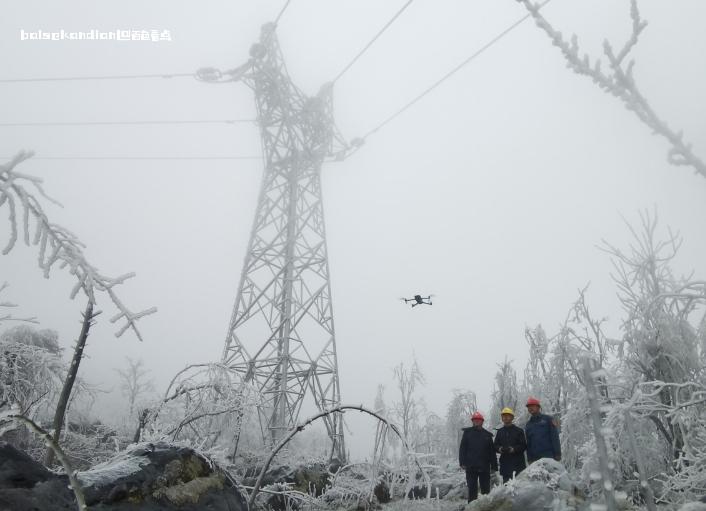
column 372, row 41
column 111, row 123
column 139, row 157
column 451, row 73
column 109, row 77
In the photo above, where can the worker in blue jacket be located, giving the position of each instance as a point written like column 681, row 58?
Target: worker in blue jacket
column 542, row 433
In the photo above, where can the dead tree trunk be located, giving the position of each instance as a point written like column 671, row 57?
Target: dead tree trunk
column 70, row 379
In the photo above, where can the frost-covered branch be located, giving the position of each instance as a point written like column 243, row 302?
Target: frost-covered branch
column 619, row 81
column 300, row 427
column 58, row 247
column 197, row 395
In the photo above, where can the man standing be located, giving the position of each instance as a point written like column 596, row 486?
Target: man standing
column 477, row 456
column 511, row 444
column 542, row 434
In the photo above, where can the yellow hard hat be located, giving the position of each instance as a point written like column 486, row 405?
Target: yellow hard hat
column 508, row 411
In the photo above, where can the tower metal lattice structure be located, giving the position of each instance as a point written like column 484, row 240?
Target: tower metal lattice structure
column 281, row 336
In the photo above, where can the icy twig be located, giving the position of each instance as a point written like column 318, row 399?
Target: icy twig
column 620, row 82
column 58, row 247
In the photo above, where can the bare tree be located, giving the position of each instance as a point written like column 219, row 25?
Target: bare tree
column 408, row 408
column 134, row 382
column 619, row 81
column 72, row 373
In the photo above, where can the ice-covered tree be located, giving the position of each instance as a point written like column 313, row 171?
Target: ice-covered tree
column 30, row 368
column 59, row 248
column 505, row 391
column 662, row 350
column 409, row 408
column 458, row 416
column 391, row 441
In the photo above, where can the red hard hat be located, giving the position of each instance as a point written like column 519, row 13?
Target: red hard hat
column 533, row 401
column 477, row 415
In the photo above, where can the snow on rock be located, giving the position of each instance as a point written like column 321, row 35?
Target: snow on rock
column 160, row 476
column 147, row 477
column 121, row 466
column 543, row 485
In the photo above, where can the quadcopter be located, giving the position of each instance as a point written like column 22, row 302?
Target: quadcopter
column 418, row 300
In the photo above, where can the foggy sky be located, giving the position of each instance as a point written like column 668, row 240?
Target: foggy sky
column 492, row 193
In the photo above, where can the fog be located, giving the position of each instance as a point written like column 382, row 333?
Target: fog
column 492, row 192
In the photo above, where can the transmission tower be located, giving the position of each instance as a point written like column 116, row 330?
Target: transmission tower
column 281, row 336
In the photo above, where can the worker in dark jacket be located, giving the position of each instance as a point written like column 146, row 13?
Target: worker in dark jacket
column 511, row 444
column 542, row 433
column 476, row 456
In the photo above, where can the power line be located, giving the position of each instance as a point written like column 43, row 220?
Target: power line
column 451, row 73
column 109, row 77
column 365, row 48
column 140, row 157
column 111, row 123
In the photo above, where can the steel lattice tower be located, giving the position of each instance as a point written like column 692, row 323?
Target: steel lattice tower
column 281, row 336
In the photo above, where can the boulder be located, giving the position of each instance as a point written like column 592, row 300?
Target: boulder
column 27, row 485
column 694, row 506
column 543, row 485
column 146, row 477
column 160, row 477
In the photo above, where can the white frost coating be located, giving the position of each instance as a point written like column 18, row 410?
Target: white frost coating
column 107, row 473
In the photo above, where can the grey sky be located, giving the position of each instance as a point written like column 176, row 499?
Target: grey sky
column 491, row 193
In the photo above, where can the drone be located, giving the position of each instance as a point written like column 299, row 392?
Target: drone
column 418, row 300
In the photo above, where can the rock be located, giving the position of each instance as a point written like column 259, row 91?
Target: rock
column 453, row 487
column 694, row 506
column 543, row 485
column 18, row 470
column 26, row 485
column 160, row 477
column 147, row 477
column 382, row 492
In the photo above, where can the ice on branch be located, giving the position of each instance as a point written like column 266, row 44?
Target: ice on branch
column 619, row 81
column 58, row 247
